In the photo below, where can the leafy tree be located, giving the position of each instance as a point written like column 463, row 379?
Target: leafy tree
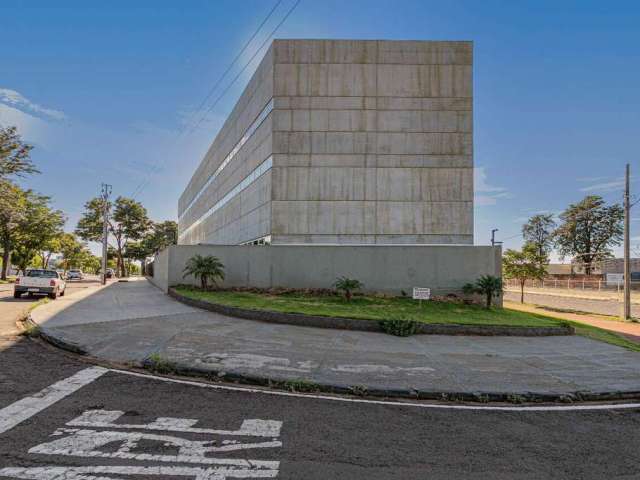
column 14, row 154
column 162, row 235
column 204, row 268
column 74, row 253
column 539, row 232
column 91, row 264
column 128, row 221
column 524, row 265
column 12, row 210
column 347, row 286
column 589, row 229
column 23, row 258
column 486, row 285
column 38, row 225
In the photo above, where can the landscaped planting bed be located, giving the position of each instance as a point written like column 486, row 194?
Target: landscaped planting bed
column 369, row 307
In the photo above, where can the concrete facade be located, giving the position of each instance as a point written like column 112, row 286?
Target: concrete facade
column 382, row 268
column 339, row 142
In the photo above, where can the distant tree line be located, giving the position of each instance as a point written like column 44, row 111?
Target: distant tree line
column 32, row 231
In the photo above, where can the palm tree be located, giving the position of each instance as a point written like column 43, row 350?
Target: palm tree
column 486, row 285
column 347, row 285
column 205, row 268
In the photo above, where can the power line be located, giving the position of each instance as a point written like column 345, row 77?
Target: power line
column 146, row 181
column 245, row 67
column 233, row 62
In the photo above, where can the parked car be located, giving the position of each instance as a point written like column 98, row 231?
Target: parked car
column 74, row 274
column 40, row 281
column 110, row 273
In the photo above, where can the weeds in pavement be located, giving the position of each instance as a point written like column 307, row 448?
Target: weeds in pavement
column 301, row 385
column 157, row 364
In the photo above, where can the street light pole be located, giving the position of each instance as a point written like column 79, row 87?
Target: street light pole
column 106, row 190
column 493, row 237
column 626, row 314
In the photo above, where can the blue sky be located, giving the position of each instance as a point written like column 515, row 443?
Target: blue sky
column 103, row 88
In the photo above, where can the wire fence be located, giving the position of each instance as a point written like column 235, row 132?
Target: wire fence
column 574, row 284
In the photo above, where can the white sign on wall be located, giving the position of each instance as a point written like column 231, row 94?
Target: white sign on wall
column 615, row 278
column 420, row 293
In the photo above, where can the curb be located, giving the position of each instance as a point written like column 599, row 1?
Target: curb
column 294, row 384
column 55, row 341
column 369, row 325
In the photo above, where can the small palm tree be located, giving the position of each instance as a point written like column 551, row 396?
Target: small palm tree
column 205, row 268
column 486, row 285
column 348, row 286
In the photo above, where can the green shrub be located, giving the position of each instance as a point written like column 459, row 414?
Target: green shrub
column 399, row 327
column 486, row 285
column 347, row 286
column 204, row 268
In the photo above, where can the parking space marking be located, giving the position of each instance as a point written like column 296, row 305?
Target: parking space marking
column 108, row 418
column 102, row 472
column 27, row 407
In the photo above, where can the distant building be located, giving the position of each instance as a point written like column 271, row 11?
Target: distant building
column 616, row 265
column 342, row 142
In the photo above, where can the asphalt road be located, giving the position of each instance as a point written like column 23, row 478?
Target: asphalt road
column 99, row 423
column 601, row 307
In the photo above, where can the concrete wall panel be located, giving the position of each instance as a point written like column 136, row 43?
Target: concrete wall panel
column 389, row 269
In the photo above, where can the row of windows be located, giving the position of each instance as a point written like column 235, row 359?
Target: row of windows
column 250, row 131
column 266, row 240
column 246, row 181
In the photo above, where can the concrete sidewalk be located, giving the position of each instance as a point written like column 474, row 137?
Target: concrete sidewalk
column 128, row 322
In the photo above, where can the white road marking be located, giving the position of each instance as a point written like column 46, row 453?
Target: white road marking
column 535, row 408
column 87, row 443
column 108, row 418
column 29, row 406
column 102, row 472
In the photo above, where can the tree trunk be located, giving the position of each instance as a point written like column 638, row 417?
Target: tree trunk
column 522, row 291
column 121, row 266
column 488, row 300
column 6, row 258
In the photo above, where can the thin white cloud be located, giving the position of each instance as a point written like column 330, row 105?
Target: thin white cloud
column 33, row 129
column 486, row 194
column 609, row 186
column 18, row 101
column 605, row 184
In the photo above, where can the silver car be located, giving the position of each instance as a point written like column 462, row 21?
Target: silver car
column 74, row 274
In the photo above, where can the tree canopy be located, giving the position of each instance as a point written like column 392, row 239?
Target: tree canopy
column 127, row 221
column 524, row 265
column 539, row 232
column 588, row 230
column 14, row 154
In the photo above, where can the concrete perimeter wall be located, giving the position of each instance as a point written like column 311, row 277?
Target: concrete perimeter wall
column 160, row 276
column 389, row 269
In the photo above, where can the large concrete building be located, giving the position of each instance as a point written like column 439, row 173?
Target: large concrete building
column 342, row 142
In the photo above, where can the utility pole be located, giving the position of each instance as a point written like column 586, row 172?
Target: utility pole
column 106, row 191
column 493, row 237
column 626, row 314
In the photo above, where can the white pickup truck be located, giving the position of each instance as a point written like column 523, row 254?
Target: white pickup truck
column 40, row 281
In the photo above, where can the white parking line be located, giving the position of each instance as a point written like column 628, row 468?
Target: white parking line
column 28, row 406
column 535, row 408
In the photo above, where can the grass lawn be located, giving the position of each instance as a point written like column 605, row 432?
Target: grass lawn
column 374, row 308
column 602, row 335
column 9, row 279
